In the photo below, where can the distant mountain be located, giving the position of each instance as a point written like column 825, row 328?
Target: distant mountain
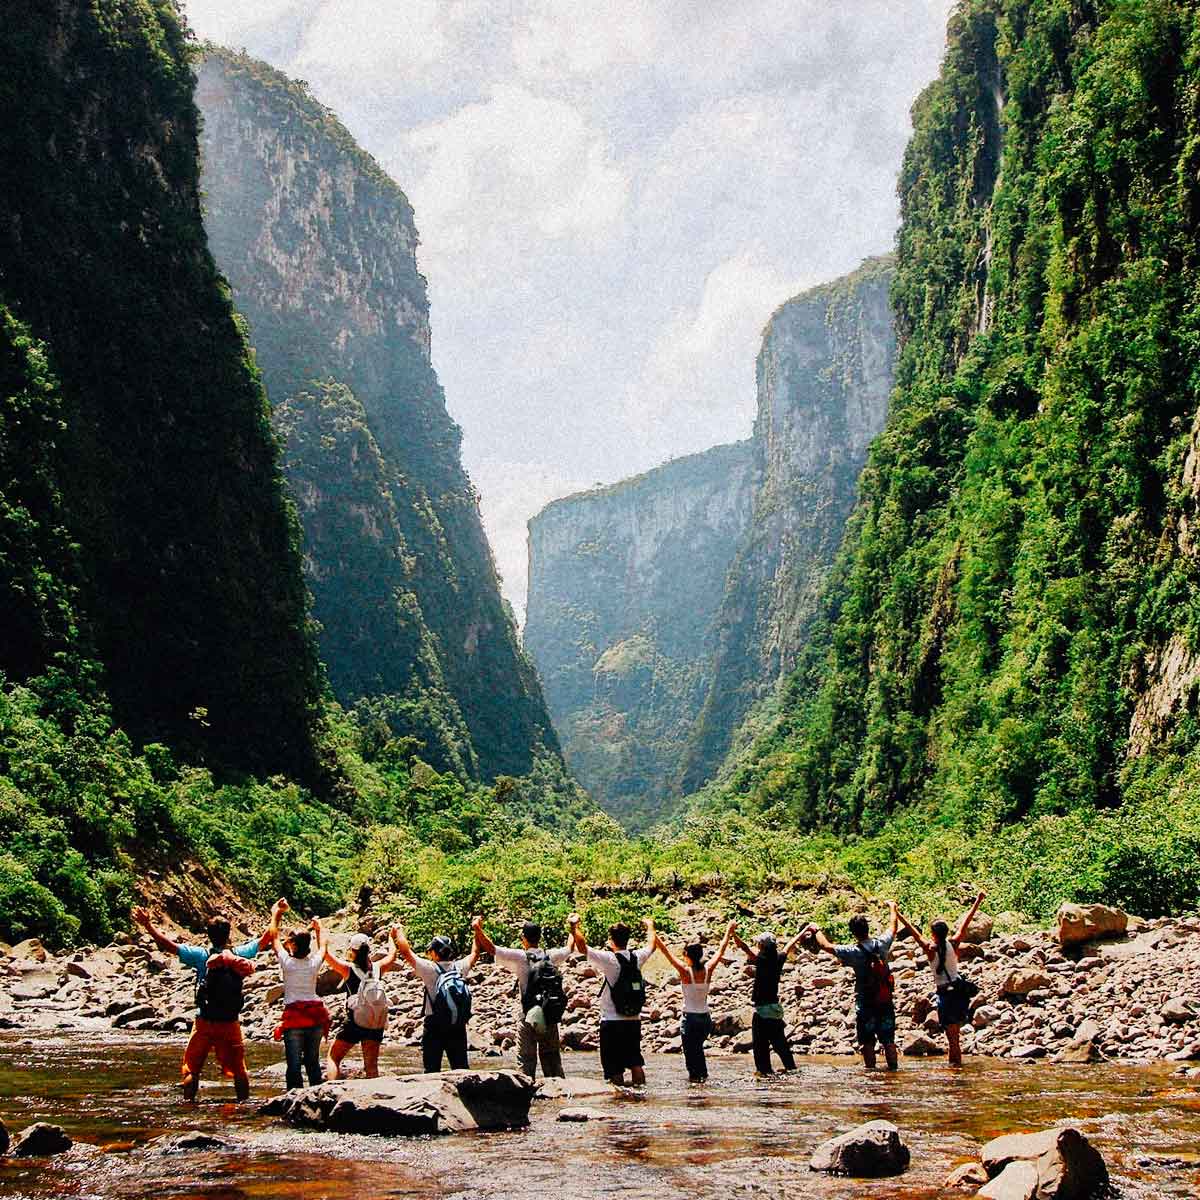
column 319, row 246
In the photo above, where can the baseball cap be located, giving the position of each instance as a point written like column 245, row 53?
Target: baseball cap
column 359, row 940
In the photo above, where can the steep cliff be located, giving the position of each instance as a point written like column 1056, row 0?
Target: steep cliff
column 1013, row 625
column 623, row 582
column 662, row 608
column 824, row 375
column 146, row 546
column 319, row 246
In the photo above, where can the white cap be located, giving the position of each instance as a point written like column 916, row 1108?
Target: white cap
column 359, row 940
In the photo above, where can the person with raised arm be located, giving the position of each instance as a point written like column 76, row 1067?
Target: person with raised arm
column 221, row 970
column 954, row 990
column 874, row 987
column 768, row 1030
column 447, row 1002
column 622, row 995
column 305, row 1018
column 696, row 977
column 366, row 1004
column 539, row 993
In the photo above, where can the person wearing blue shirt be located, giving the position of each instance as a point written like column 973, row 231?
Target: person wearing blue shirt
column 217, row 1031
column 875, row 1015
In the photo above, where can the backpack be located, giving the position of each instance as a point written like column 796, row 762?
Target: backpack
column 880, row 984
column 219, row 995
column 629, row 992
column 451, row 998
column 369, row 1005
column 544, row 988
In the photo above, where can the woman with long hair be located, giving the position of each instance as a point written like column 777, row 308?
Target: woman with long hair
column 954, row 990
column 696, row 977
column 366, row 1004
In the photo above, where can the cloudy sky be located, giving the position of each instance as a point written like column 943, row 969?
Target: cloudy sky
column 612, row 198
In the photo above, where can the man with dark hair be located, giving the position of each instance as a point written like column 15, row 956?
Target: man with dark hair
column 622, row 995
column 873, row 984
column 539, row 994
column 216, row 1027
column 447, row 1003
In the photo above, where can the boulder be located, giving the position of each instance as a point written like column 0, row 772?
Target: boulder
column 193, row 1141
column 1066, row 1164
column 1023, row 980
column 410, row 1105
column 1079, row 923
column 870, row 1151
column 580, row 1113
column 1177, row 1011
column 1078, row 1052
column 968, row 1174
column 1018, row 1181
column 923, row 1047
column 40, row 1140
column 571, row 1088
column 735, row 1022
column 980, row 929
column 30, row 950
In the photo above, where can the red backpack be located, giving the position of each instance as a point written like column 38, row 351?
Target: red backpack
column 880, row 984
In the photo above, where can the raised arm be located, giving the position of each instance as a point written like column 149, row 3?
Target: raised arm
column 403, row 949
column 340, row 965
column 277, row 910
column 821, row 941
column 748, row 951
column 965, row 923
column 164, row 943
column 893, row 918
column 787, row 950
column 388, row 961
column 483, row 943
column 684, row 972
column 575, row 936
column 322, row 937
column 916, row 934
column 722, row 950
column 652, row 938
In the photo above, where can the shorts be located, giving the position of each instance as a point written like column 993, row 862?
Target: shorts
column 352, row 1032
column 221, row 1038
column 876, row 1023
column 620, row 1047
column 953, row 1005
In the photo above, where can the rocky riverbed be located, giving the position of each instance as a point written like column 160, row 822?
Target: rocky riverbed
column 1097, row 986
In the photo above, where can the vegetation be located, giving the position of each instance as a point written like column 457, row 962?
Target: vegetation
column 1018, row 560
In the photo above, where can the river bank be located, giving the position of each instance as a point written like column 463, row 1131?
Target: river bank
column 1129, row 997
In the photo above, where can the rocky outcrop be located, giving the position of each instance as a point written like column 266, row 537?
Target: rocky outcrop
column 319, row 246
column 41, row 1140
column 872, row 1151
column 623, row 583
column 662, row 608
column 1078, row 924
column 410, row 1106
column 1061, row 1164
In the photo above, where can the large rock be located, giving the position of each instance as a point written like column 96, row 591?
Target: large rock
column 1018, row 1181
column 571, row 1088
column 980, row 930
column 40, row 1140
column 871, row 1151
column 1023, row 980
column 1068, row 1166
column 30, row 950
column 410, row 1105
column 1079, row 923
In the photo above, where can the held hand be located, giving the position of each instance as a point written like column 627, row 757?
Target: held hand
column 394, row 934
column 315, row 924
column 732, row 928
column 142, row 917
column 573, row 920
column 892, row 906
column 477, row 923
column 982, row 895
column 648, row 924
column 280, row 906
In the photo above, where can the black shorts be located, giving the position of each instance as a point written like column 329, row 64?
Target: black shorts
column 620, row 1047
column 354, row 1033
column 872, row 1023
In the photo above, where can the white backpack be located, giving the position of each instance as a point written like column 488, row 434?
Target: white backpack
column 369, row 1005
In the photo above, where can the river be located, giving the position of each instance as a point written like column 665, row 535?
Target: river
column 736, row 1137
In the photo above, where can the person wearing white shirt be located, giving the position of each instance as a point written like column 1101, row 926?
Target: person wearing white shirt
column 532, row 1041
column 620, row 1033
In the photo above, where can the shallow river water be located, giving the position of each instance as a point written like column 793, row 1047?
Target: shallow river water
column 736, row 1137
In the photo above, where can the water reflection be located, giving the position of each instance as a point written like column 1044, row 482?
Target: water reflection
column 738, row 1137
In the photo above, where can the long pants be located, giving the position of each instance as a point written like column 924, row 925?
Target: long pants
column 436, row 1041
column 303, row 1049
column 530, row 1044
column 767, row 1034
column 693, row 1031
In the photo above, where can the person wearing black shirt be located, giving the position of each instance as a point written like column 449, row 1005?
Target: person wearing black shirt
column 767, row 1029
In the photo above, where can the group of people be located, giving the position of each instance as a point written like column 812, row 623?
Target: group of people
column 221, row 970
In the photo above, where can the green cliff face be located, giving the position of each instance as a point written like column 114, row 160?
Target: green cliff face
column 1014, row 623
column 320, row 249
column 661, row 609
column 623, row 583
column 143, row 525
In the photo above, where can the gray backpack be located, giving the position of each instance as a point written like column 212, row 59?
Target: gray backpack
column 369, row 1005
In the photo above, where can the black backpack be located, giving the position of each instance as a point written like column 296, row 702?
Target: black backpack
column 451, row 999
column 629, row 992
column 219, row 995
column 545, row 987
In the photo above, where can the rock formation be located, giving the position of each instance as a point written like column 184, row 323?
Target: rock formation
column 662, row 608
column 319, row 246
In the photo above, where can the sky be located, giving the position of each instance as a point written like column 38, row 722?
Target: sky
column 612, row 198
